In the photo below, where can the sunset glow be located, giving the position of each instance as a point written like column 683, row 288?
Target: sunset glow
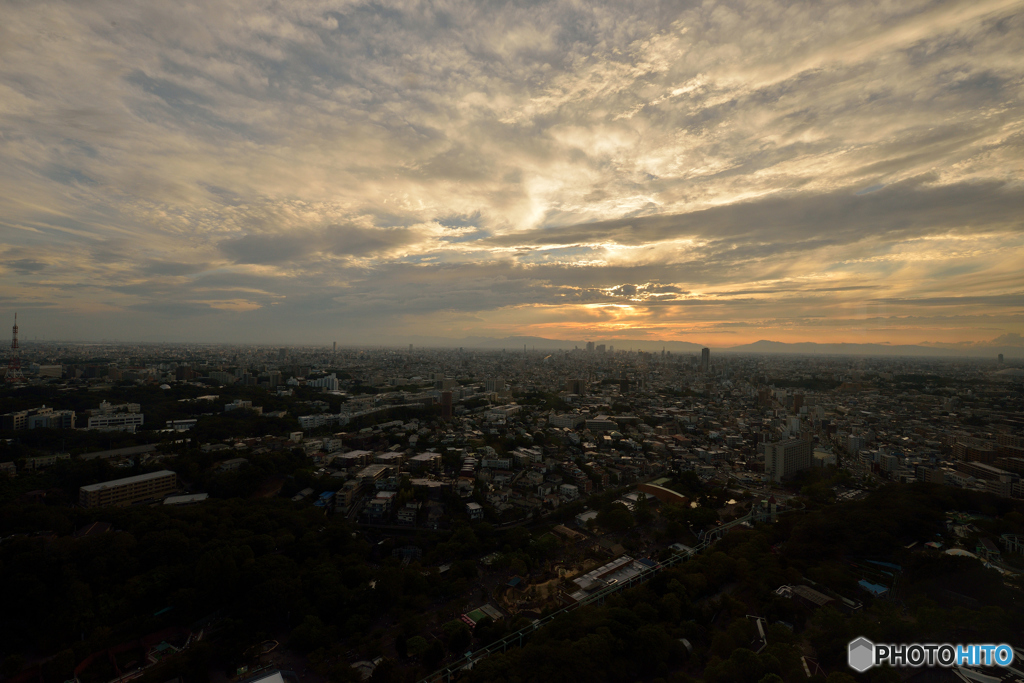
column 716, row 172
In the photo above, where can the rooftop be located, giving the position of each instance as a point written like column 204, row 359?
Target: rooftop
column 127, row 480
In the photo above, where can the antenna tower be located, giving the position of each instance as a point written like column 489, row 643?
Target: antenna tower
column 14, row 364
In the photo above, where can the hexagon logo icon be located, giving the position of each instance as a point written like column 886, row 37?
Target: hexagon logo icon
column 861, row 654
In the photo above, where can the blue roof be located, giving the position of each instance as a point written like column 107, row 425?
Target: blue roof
column 873, row 588
column 514, row 581
column 647, row 562
column 326, row 495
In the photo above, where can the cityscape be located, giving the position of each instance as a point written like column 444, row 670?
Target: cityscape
column 518, row 341
column 335, row 513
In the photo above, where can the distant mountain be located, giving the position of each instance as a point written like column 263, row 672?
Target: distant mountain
column 891, row 350
column 1010, row 345
column 1010, row 339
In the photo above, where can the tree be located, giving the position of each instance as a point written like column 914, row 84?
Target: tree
column 385, row 672
column 417, row 646
column 615, row 517
column 457, row 635
column 434, row 654
column 13, row 664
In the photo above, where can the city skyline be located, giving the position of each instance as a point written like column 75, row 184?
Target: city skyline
column 716, row 174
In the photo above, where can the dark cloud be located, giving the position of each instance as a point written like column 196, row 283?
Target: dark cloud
column 173, row 310
column 268, row 249
column 173, row 268
column 349, row 240
column 26, row 266
column 808, row 220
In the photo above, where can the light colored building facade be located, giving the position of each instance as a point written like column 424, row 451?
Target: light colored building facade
column 123, row 492
column 123, row 422
column 786, row 458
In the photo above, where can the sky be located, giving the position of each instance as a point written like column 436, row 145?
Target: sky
column 318, row 171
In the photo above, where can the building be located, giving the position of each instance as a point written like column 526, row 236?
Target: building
column 786, row 458
column 810, row 597
column 705, row 359
column 601, row 423
column 239, row 404
column 347, row 494
column 225, row 378
column 566, row 421
column 121, row 422
column 38, row 418
column 446, row 406
column 328, row 383
column 41, row 461
column 123, row 492
column 576, row 386
column 50, row 371
column 379, row 508
column 15, row 420
column 502, row 413
column 233, row 464
column 186, row 499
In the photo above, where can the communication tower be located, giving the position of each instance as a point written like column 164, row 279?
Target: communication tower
column 14, row 364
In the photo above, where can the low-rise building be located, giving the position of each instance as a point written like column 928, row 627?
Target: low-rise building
column 121, row 422
column 232, row 464
column 129, row 490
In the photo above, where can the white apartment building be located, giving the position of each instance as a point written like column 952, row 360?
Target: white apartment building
column 785, row 458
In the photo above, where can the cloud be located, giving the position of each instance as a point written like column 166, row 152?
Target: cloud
column 679, row 169
column 267, row 249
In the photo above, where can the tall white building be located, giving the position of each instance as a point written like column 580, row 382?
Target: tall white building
column 330, row 382
column 786, row 458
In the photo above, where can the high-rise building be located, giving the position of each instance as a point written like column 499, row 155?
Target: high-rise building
column 493, row 385
column 786, row 458
column 282, row 354
column 446, row 405
column 328, row 383
column 600, row 348
column 576, row 386
column 705, row 359
column 1000, row 359
column 590, row 347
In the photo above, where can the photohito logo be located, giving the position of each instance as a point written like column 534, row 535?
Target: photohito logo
column 862, row 654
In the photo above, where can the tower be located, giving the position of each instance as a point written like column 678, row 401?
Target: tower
column 14, row 364
column 446, row 406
